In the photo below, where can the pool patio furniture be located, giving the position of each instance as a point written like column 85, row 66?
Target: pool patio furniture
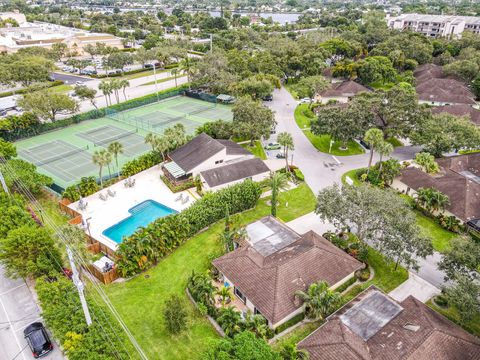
column 103, row 197
column 179, row 197
column 82, row 204
column 185, row 199
column 129, row 182
column 111, row 193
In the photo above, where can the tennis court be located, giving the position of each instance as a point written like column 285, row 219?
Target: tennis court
column 66, row 154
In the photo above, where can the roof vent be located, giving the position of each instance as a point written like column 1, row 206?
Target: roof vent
column 411, row 327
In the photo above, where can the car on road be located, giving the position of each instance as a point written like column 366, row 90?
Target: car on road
column 273, row 146
column 79, row 83
column 268, row 98
column 280, row 156
column 305, row 101
column 38, row 339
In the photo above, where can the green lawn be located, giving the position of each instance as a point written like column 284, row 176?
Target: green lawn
column 301, row 116
column 159, row 81
column 256, row 149
column 142, row 74
column 61, row 88
column 440, row 237
column 395, row 142
column 140, row 300
column 472, row 326
column 322, row 142
column 379, row 85
column 352, row 174
column 49, row 205
column 296, row 335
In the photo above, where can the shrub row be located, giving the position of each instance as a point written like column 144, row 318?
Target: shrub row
column 15, row 132
column 294, row 320
column 143, row 162
column 177, row 188
column 23, row 91
column 147, row 245
column 62, row 311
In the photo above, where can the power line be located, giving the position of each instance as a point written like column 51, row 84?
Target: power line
column 33, row 201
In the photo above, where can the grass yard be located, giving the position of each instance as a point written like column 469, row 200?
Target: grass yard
column 140, row 300
column 440, row 237
column 322, row 142
column 296, row 335
column 49, row 204
column 62, row 89
column 472, row 326
column 352, row 174
column 142, row 74
column 159, row 81
column 395, row 142
column 256, row 149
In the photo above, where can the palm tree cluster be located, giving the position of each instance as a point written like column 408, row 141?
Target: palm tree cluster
column 277, row 182
column 319, row 300
column 376, row 140
column 104, row 157
column 432, row 200
column 113, row 86
column 171, row 139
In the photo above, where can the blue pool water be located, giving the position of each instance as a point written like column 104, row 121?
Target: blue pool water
column 142, row 215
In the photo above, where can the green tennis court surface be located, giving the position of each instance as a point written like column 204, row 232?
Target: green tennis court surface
column 66, row 154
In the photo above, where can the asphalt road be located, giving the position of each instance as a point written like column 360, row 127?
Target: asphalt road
column 17, row 310
column 322, row 170
column 69, row 78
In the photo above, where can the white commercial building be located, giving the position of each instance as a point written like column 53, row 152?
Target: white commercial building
column 45, row 35
column 435, row 25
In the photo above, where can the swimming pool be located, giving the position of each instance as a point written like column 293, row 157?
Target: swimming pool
column 142, row 215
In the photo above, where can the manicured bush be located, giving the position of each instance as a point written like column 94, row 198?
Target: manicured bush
column 299, row 175
column 149, row 244
column 441, row 300
column 143, row 162
column 86, row 187
column 363, row 274
column 175, row 315
column 346, row 284
column 294, row 320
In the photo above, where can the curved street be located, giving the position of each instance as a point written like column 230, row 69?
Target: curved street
column 322, row 170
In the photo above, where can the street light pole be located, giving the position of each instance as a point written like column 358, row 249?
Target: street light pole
column 155, row 77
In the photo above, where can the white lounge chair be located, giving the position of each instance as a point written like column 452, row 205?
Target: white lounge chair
column 179, row 197
column 111, row 193
column 185, row 199
column 103, row 197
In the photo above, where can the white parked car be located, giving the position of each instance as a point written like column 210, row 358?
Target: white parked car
column 305, row 100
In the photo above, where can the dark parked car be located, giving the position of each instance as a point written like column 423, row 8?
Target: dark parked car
column 38, row 339
column 268, row 98
column 364, row 144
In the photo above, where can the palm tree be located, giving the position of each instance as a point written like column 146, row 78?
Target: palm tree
column 186, row 67
column 286, row 140
column 373, row 137
column 291, row 352
column 319, row 300
column 108, row 161
column 100, row 159
column 124, row 83
column 150, row 139
column 384, row 149
column 229, row 319
column 115, row 148
column 225, row 294
column 174, row 72
column 256, row 324
column 106, row 89
column 432, row 199
column 278, row 182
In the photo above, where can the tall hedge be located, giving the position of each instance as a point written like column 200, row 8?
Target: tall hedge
column 149, row 244
column 15, row 128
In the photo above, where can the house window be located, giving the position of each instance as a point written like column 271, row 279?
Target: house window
column 240, row 295
column 218, row 162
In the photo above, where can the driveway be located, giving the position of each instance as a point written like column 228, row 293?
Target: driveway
column 322, row 170
column 417, row 287
column 17, row 310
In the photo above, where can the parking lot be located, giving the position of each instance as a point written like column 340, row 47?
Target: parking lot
column 69, row 79
column 17, row 310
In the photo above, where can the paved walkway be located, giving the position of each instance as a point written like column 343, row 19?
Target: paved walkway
column 309, row 222
column 417, row 287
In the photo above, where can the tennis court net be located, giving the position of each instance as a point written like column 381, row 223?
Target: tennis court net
column 40, row 162
column 113, row 138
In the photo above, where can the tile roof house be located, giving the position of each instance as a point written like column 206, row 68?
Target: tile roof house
column 218, row 162
column 435, row 88
column 341, row 92
column 460, row 110
column 374, row 326
column 459, row 179
column 275, row 262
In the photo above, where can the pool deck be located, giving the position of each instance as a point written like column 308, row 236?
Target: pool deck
column 148, row 186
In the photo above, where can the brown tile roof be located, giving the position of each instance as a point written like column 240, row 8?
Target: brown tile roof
column 346, row 88
column 270, row 282
column 200, row 149
column 428, row 71
column 233, row 172
column 435, row 339
column 456, row 179
column 459, row 110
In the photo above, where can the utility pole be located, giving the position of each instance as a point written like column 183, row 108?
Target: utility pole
column 211, row 42
column 80, row 287
column 155, row 76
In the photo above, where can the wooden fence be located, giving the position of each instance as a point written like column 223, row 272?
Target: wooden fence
column 105, row 277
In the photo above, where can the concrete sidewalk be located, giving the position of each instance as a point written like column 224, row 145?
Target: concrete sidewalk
column 308, row 222
column 417, row 287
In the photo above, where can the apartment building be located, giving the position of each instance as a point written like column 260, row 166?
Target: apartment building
column 435, row 25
